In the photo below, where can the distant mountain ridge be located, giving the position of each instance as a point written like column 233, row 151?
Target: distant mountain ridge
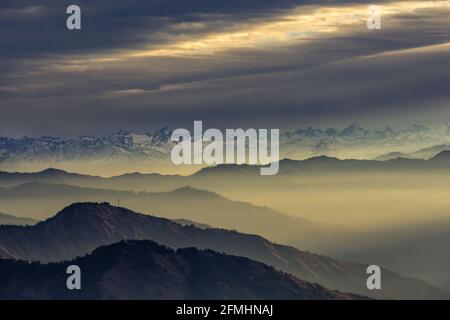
column 146, row 270
column 80, row 228
column 351, row 142
column 6, row 219
column 391, row 161
column 426, row 153
column 321, row 164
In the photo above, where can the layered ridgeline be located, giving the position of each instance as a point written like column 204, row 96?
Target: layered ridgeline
column 145, row 148
column 377, row 200
column 80, row 228
column 38, row 200
column 147, row 270
column 439, row 160
column 206, row 177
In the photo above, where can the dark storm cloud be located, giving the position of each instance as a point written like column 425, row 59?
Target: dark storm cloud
column 38, row 26
column 50, row 75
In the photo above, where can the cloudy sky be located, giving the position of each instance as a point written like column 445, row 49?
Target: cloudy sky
column 141, row 65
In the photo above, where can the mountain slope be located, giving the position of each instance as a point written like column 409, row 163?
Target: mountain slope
column 80, row 228
column 418, row 250
column 146, row 270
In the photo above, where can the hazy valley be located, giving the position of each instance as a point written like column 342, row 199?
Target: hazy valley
column 80, row 228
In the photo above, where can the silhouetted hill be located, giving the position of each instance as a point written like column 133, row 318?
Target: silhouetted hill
column 425, row 153
column 82, row 227
column 146, row 270
column 443, row 157
column 392, row 156
column 325, row 164
column 47, row 175
column 51, row 175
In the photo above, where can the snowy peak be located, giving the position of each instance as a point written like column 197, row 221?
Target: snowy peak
column 420, row 128
column 122, row 138
column 354, row 130
column 161, row 136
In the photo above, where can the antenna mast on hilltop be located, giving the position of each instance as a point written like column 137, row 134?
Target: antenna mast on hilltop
column 118, row 201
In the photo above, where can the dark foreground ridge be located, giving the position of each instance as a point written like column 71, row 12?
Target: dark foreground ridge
column 146, row 270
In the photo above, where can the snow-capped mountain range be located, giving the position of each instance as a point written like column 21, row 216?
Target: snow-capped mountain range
column 123, row 144
column 351, row 142
column 358, row 143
